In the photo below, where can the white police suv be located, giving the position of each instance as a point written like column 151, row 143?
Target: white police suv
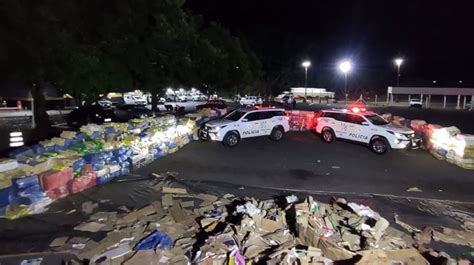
column 246, row 123
column 365, row 127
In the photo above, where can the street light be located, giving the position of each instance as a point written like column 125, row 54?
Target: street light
column 398, row 62
column 305, row 64
column 345, row 67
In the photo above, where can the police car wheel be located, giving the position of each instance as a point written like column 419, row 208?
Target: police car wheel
column 379, row 146
column 277, row 134
column 231, row 139
column 327, row 135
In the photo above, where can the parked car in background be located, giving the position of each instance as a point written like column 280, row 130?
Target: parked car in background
column 251, row 100
column 213, row 104
column 199, row 97
column 125, row 112
column 416, row 103
column 104, row 103
column 89, row 114
column 131, row 99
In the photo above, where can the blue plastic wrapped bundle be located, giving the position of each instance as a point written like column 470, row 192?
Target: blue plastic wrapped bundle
column 20, row 150
column 103, row 179
column 124, row 171
column 98, row 165
column 78, row 164
column 38, row 149
column 93, row 157
column 95, row 134
column 75, row 141
column 110, row 130
column 171, row 144
column 23, row 183
column 29, row 158
column 115, row 174
column 81, row 136
column 27, row 187
column 68, row 143
column 5, row 196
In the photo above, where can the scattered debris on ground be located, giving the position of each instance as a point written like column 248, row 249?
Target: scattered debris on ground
column 190, row 227
column 414, row 189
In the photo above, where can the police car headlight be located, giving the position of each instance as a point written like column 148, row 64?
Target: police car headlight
column 216, row 129
column 399, row 135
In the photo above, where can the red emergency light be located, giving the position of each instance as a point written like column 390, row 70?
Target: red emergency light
column 357, row 109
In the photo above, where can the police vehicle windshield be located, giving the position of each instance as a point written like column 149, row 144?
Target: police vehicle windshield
column 376, row 120
column 234, row 115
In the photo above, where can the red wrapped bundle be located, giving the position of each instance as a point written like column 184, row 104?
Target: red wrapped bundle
column 87, row 169
column 300, row 120
column 58, row 193
column 82, row 183
column 53, row 179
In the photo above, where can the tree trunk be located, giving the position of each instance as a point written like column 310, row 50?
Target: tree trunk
column 40, row 115
column 154, row 101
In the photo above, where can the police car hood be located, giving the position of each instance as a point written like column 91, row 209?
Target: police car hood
column 218, row 123
column 397, row 128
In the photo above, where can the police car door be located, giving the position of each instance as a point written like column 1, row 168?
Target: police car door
column 355, row 130
column 268, row 120
column 339, row 125
column 251, row 126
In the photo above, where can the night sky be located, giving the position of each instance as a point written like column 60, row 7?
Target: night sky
column 436, row 38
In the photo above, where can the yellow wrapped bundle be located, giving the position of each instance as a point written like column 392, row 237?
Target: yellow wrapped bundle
column 7, row 176
column 180, row 142
column 48, row 164
column 68, row 134
column 90, row 128
column 16, row 211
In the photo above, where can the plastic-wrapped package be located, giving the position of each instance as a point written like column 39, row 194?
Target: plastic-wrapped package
column 58, row 193
column 20, row 150
column 104, row 179
column 83, row 182
column 5, row 196
column 25, row 182
column 55, row 179
column 8, row 164
column 68, row 134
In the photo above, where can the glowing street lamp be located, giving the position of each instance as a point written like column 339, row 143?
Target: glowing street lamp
column 398, row 62
column 305, row 64
column 345, row 67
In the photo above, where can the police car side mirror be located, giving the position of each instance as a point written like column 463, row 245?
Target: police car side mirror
column 245, row 120
column 365, row 123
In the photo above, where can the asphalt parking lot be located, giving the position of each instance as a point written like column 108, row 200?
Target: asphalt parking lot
column 303, row 162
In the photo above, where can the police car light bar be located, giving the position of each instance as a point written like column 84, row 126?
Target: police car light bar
column 357, row 109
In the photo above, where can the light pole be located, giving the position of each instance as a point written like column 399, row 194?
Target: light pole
column 345, row 67
column 398, row 62
column 305, row 64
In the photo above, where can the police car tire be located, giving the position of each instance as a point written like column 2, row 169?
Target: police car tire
column 229, row 140
column 328, row 130
column 382, row 144
column 275, row 136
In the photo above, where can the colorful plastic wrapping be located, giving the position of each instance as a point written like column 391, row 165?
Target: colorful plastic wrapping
column 76, row 161
column 82, row 183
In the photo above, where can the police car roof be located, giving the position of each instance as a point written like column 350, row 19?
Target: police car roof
column 260, row 109
column 350, row 111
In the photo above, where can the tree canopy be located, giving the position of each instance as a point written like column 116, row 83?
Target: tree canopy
column 90, row 47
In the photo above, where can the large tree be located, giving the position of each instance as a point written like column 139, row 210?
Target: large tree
column 89, row 47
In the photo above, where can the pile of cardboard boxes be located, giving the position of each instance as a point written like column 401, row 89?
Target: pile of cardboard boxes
column 195, row 228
